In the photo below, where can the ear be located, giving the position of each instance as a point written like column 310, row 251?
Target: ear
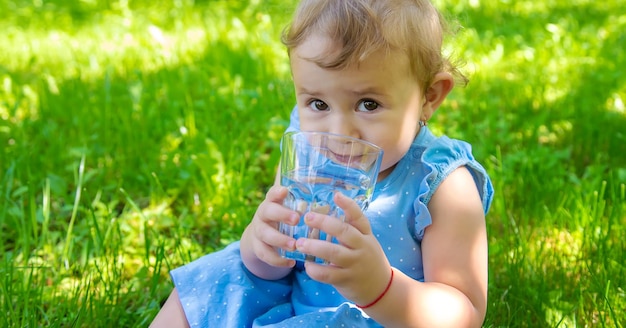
column 437, row 92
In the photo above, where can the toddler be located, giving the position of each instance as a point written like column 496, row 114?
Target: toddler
column 417, row 257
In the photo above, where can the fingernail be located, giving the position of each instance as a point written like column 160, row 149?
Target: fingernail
column 299, row 243
column 293, row 218
column 309, row 217
column 291, row 244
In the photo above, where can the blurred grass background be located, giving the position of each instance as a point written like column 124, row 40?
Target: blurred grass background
column 137, row 136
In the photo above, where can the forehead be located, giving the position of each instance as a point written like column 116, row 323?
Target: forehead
column 318, row 49
column 380, row 73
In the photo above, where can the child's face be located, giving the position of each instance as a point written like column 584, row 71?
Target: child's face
column 377, row 100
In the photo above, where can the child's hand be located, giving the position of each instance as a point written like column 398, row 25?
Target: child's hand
column 358, row 266
column 261, row 237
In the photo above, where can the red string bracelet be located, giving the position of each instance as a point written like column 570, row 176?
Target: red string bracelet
column 380, row 296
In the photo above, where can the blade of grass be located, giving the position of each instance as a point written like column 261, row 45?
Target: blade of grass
column 142, row 226
column 70, row 227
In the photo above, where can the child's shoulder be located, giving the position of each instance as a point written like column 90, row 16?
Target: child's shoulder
column 443, row 155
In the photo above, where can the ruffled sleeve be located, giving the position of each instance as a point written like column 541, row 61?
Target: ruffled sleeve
column 440, row 157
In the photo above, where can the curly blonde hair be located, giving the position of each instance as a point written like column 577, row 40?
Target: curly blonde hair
column 362, row 27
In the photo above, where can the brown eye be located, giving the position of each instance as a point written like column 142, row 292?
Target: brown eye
column 368, row 106
column 319, row 105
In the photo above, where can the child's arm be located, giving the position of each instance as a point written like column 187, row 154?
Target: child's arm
column 171, row 314
column 454, row 250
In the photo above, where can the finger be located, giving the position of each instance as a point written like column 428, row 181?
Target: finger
column 276, row 194
column 268, row 240
column 272, row 214
column 329, row 274
column 272, row 209
column 354, row 215
column 345, row 233
column 270, row 256
column 336, row 254
column 274, row 238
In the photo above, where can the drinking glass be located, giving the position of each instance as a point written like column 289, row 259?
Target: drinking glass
column 316, row 165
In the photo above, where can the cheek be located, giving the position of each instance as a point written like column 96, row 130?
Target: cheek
column 395, row 149
column 308, row 122
column 398, row 144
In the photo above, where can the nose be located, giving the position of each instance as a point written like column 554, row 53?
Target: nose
column 343, row 124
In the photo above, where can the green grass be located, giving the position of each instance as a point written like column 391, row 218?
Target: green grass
column 135, row 138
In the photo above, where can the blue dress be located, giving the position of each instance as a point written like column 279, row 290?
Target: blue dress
column 218, row 291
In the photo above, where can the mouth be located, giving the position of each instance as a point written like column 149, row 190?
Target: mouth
column 346, row 151
column 345, row 158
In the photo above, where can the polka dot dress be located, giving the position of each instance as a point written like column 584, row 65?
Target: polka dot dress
column 218, row 291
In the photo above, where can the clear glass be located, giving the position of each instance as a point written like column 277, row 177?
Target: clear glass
column 314, row 166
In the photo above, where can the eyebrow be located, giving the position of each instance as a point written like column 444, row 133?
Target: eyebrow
column 367, row 90
column 302, row 90
column 370, row 90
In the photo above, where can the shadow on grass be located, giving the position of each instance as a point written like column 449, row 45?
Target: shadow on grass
column 193, row 146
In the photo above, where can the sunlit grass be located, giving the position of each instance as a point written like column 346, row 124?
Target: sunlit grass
column 135, row 139
column 94, row 237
